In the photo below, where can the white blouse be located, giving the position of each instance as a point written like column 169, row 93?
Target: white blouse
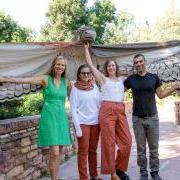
column 85, row 107
column 113, row 90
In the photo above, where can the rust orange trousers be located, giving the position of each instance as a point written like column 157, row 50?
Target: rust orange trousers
column 114, row 131
column 87, row 147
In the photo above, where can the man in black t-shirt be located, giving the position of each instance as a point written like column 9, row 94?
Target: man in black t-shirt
column 144, row 86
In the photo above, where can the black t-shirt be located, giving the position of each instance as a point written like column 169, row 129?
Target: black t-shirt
column 143, row 91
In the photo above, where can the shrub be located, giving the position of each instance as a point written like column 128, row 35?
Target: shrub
column 32, row 104
column 25, row 106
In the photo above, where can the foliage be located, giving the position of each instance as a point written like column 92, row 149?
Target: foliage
column 102, row 13
column 66, row 16
column 120, row 30
column 143, row 34
column 168, row 26
column 128, row 95
column 10, row 109
column 32, row 105
column 10, row 31
column 26, row 106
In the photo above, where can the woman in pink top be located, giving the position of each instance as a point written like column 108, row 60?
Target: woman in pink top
column 113, row 121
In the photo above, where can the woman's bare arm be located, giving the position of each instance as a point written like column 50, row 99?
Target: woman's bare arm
column 98, row 75
column 41, row 79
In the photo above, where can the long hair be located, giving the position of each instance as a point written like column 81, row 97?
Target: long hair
column 106, row 65
column 51, row 71
column 80, row 68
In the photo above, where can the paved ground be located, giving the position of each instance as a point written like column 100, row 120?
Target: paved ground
column 169, row 152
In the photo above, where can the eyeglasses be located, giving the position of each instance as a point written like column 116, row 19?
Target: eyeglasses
column 83, row 73
column 140, row 61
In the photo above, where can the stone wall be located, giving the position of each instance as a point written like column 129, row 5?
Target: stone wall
column 20, row 158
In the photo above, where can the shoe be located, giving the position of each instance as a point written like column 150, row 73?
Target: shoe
column 122, row 175
column 96, row 178
column 155, row 176
column 115, row 177
column 144, row 177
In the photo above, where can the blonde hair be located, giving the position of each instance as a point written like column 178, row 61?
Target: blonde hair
column 51, row 71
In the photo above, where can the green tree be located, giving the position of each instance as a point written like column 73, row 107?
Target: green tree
column 99, row 15
column 66, row 16
column 168, row 26
column 10, row 31
column 143, row 34
column 121, row 30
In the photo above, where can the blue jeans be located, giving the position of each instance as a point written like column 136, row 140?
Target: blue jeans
column 147, row 130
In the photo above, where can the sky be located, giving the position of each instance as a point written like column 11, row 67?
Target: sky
column 31, row 13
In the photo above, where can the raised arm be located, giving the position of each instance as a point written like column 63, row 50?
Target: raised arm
column 98, row 75
column 42, row 80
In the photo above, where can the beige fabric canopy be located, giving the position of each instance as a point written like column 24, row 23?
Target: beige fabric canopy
column 30, row 59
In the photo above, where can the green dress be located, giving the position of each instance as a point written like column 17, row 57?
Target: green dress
column 54, row 126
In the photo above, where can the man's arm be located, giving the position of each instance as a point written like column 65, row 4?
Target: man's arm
column 162, row 93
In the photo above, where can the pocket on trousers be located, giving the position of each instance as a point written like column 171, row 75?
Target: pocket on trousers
column 135, row 119
column 154, row 118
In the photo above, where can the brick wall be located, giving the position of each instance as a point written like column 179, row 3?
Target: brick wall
column 20, row 158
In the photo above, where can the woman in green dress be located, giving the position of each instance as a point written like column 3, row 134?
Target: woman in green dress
column 54, row 130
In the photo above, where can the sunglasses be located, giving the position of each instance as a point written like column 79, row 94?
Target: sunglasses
column 140, row 61
column 83, row 73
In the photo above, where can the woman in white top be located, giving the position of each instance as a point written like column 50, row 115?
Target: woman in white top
column 113, row 122
column 85, row 103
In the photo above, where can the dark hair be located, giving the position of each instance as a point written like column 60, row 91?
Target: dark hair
column 80, row 68
column 105, row 68
column 51, row 71
column 139, row 55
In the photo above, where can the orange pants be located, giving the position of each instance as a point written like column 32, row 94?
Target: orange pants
column 114, row 131
column 87, row 147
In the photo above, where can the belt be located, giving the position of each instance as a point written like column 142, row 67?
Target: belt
column 145, row 116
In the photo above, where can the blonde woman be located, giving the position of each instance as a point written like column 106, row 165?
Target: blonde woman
column 53, row 130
